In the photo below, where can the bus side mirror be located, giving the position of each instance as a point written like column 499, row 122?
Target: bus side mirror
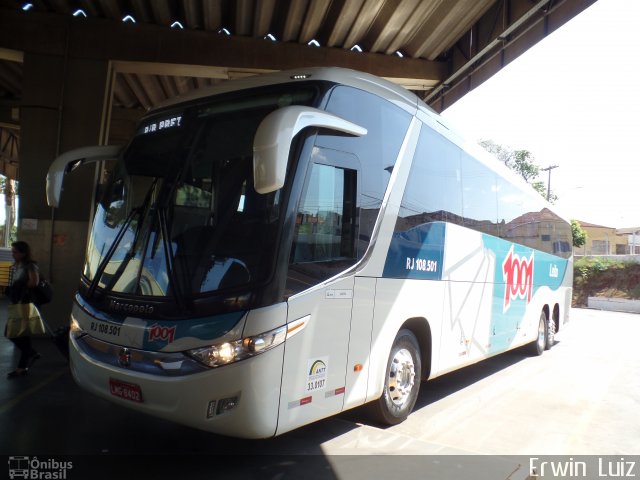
column 72, row 159
column 272, row 142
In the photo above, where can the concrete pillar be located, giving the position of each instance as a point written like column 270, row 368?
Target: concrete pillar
column 65, row 105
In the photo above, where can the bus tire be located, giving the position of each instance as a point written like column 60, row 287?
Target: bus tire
column 540, row 343
column 401, row 382
column 551, row 333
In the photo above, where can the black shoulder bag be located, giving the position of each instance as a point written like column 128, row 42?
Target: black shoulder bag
column 41, row 293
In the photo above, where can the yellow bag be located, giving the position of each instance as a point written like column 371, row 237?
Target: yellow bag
column 23, row 319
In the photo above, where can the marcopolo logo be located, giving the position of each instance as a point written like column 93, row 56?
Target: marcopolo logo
column 34, row 468
column 117, row 306
column 517, row 273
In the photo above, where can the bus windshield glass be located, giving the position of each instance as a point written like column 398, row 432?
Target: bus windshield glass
column 179, row 215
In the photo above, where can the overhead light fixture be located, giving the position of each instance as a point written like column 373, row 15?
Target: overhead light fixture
column 128, row 18
column 225, row 31
column 269, row 36
column 313, row 43
column 399, row 53
column 79, row 13
column 177, row 24
column 27, row 6
column 356, row 48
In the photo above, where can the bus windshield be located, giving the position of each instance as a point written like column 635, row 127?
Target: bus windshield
column 179, row 215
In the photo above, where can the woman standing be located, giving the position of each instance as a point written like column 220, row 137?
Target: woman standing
column 23, row 277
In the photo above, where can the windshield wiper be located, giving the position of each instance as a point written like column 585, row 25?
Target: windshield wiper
column 175, row 286
column 161, row 219
column 112, row 249
column 102, row 266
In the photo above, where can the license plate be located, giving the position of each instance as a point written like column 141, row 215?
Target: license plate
column 128, row 391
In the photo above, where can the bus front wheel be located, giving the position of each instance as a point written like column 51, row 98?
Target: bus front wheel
column 402, row 381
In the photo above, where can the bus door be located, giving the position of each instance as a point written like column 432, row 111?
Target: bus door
column 313, row 376
column 324, row 245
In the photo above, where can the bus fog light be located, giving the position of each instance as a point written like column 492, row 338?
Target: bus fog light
column 211, row 409
column 226, row 405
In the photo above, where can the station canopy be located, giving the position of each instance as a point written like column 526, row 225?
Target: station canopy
column 440, row 49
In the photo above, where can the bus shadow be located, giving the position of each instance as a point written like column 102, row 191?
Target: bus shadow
column 450, row 383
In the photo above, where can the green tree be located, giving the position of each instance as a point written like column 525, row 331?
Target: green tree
column 578, row 234
column 521, row 162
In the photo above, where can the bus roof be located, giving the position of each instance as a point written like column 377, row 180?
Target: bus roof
column 384, row 88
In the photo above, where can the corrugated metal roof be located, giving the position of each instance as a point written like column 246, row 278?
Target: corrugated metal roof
column 457, row 36
column 418, row 29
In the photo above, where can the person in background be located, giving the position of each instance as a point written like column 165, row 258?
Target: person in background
column 24, row 275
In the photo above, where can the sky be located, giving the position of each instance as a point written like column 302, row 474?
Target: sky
column 572, row 100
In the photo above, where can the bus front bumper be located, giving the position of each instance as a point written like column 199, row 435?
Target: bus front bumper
column 240, row 399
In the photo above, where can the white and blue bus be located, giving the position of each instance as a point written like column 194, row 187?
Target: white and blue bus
column 278, row 249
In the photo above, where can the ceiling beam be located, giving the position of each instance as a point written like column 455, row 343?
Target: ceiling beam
column 103, row 39
column 11, row 55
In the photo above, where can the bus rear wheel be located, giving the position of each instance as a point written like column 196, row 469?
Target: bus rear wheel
column 402, row 381
column 551, row 333
column 540, row 343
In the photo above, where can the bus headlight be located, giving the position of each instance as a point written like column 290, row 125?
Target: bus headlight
column 229, row 352
column 75, row 331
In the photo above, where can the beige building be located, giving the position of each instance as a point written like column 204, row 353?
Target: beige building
column 603, row 240
column 628, row 241
column 600, row 240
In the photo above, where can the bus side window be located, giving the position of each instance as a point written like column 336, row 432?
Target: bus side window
column 378, row 150
column 479, row 201
column 326, row 227
column 433, row 192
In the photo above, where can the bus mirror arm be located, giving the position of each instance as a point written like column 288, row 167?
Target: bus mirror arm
column 72, row 159
column 272, row 142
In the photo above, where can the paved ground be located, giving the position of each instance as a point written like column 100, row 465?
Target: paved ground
column 580, row 398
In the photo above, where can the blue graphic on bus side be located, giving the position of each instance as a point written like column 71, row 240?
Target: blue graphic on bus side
column 416, row 253
column 519, row 272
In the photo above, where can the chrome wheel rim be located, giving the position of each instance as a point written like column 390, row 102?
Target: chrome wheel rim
column 401, row 379
column 552, row 331
column 541, row 331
